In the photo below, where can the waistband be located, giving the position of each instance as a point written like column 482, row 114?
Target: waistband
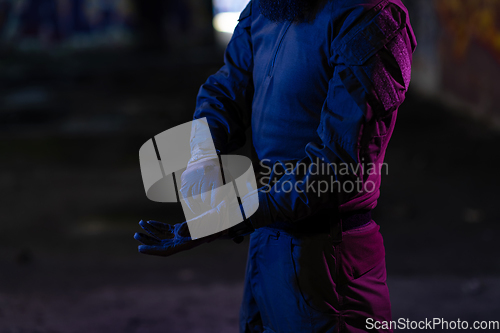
column 323, row 221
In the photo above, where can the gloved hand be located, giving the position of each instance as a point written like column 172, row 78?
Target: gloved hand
column 165, row 239
column 200, row 185
column 200, row 181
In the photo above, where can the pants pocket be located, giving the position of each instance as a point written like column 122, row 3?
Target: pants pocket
column 314, row 266
column 360, row 251
column 273, row 285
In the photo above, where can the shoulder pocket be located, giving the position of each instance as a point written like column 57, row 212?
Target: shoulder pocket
column 381, row 25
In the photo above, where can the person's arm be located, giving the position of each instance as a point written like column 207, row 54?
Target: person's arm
column 372, row 58
column 224, row 103
column 225, row 99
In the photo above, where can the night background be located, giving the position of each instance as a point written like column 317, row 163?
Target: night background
column 84, row 83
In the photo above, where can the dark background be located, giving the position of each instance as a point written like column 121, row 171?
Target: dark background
column 74, row 112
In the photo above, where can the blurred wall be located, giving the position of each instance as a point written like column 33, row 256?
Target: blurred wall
column 41, row 24
column 457, row 59
column 34, row 25
column 458, row 55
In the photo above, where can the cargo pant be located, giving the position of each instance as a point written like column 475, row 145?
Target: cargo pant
column 313, row 283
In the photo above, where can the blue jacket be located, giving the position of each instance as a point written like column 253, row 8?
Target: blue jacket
column 321, row 97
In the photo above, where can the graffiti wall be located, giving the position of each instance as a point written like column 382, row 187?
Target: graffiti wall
column 470, row 50
column 458, row 56
column 471, row 21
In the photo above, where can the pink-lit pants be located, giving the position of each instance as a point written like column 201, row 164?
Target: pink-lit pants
column 312, row 283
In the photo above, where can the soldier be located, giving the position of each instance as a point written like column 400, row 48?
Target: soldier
column 319, row 82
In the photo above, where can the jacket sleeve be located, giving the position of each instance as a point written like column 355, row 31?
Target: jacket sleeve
column 225, row 99
column 371, row 56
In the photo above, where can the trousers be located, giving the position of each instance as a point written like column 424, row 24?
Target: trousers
column 312, row 283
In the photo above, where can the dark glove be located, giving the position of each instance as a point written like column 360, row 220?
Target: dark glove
column 165, row 239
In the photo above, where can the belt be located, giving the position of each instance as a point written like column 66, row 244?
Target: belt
column 323, row 222
column 356, row 220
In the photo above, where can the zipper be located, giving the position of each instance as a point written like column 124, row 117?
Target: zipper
column 277, row 50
